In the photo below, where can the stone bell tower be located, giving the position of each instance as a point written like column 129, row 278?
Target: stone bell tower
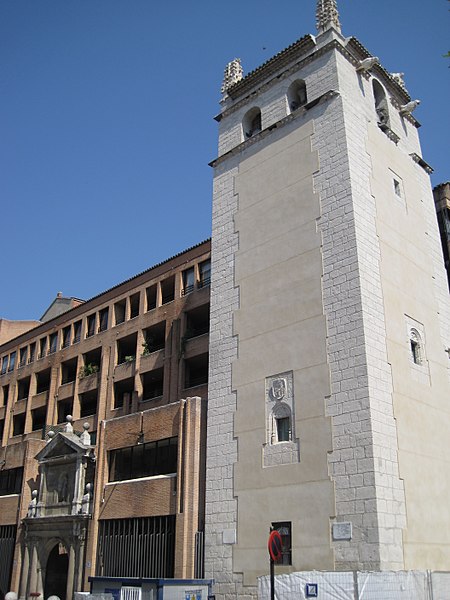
column 329, row 377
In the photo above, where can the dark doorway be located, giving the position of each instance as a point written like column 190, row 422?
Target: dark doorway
column 56, row 574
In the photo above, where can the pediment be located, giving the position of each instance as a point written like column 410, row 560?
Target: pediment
column 63, row 444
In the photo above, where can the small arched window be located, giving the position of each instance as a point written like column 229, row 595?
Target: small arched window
column 416, row 346
column 296, row 95
column 381, row 105
column 251, row 124
column 281, row 423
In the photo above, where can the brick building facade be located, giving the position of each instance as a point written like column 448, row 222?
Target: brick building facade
column 127, row 471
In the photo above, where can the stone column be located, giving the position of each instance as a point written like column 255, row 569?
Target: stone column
column 24, row 573
column 71, row 571
column 33, row 572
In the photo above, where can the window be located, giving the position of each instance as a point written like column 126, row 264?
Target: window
column 42, row 347
column 32, row 352
column 88, row 403
column 91, row 363
column 123, row 392
column 251, row 123
column 152, row 384
column 4, row 397
column 284, row 429
column 53, row 343
column 281, row 423
column 188, row 281
column 19, row 424
column 76, row 332
column 68, row 371
column 65, row 407
column 204, row 271
column 397, row 188
column 23, row 352
column 65, row 337
column 197, row 322
column 126, row 349
column 150, row 294
column 296, row 95
column 119, row 312
column 134, row 305
column 103, row 319
column 155, row 338
column 4, row 364
column 144, row 460
column 90, row 325
column 42, row 381
column 12, row 361
column 38, row 416
column 23, row 388
column 167, row 290
column 11, row 481
column 196, row 371
column 284, row 528
column 415, row 346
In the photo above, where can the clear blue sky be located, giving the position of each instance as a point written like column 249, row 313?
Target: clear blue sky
column 106, row 125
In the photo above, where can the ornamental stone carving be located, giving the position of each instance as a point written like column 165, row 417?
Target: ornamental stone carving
column 232, row 74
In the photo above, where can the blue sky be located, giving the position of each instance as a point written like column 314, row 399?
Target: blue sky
column 106, row 125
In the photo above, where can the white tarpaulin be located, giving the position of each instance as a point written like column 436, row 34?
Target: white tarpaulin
column 440, row 585
column 393, row 585
column 330, row 586
column 384, row 585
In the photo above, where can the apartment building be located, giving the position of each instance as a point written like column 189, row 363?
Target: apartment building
column 102, row 428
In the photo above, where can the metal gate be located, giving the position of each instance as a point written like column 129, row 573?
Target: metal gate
column 7, row 543
column 143, row 547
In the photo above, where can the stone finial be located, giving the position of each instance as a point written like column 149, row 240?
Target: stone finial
column 32, row 506
column 50, row 435
column 327, row 15
column 11, row 596
column 85, row 438
column 68, row 428
column 86, row 500
column 232, row 74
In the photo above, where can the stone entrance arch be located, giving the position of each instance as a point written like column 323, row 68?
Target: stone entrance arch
column 56, row 574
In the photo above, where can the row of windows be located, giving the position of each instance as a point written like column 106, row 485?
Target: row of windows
column 195, row 374
column 128, row 308
column 11, row 481
column 144, row 460
column 296, row 97
column 196, row 324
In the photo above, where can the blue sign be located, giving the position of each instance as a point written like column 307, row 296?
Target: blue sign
column 312, row 590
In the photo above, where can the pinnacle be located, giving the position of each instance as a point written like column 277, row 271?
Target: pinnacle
column 327, row 15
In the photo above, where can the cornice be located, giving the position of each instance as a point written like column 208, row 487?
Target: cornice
column 301, row 46
column 353, row 51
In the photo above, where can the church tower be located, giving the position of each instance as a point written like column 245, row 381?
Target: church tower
column 329, row 378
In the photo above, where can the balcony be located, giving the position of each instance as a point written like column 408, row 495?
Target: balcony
column 88, row 383
column 66, row 390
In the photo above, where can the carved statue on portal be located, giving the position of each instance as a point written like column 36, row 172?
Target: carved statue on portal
column 63, row 488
